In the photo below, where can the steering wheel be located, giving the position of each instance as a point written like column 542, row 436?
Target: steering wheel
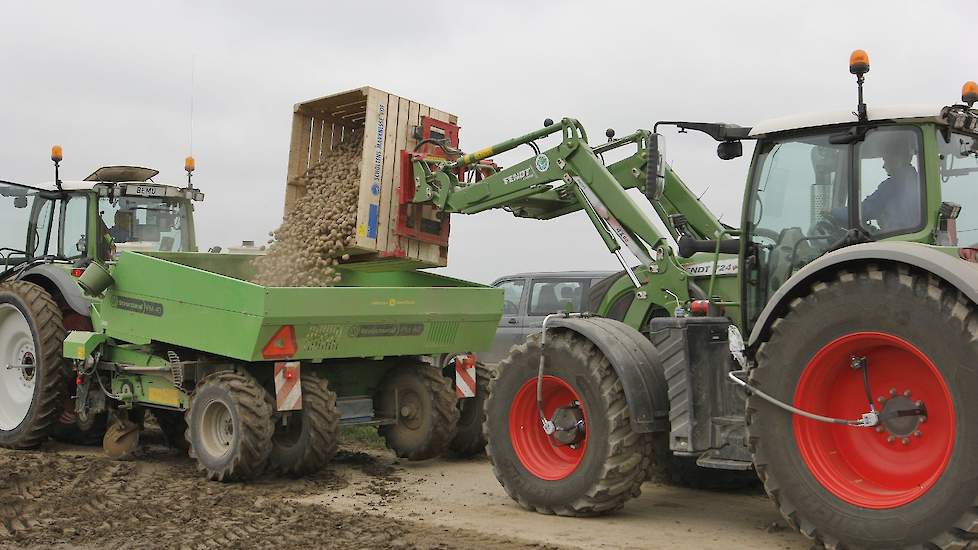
column 774, row 236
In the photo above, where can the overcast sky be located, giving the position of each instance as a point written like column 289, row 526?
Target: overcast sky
column 111, row 82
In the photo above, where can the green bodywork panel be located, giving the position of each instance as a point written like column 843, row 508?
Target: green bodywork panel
column 80, row 344
column 197, row 301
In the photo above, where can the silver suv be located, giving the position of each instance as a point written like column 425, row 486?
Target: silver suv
column 529, row 297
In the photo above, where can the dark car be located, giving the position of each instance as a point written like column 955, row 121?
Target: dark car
column 529, row 297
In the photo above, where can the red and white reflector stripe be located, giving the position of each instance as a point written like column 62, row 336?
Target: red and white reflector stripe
column 288, row 389
column 465, row 376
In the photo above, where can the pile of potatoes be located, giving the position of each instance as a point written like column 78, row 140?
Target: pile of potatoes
column 310, row 243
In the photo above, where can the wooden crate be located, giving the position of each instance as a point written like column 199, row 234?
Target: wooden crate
column 386, row 124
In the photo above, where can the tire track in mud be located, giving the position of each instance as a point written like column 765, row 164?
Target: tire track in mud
column 65, row 498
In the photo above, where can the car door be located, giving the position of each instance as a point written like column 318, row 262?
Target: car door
column 510, row 329
column 552, row 295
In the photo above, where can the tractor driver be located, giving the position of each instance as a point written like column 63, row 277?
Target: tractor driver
column 121, row 231
column 896, row 202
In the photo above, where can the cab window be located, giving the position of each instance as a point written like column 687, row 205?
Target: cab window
column 890, row 186
column 74, row 222
column 958, row 154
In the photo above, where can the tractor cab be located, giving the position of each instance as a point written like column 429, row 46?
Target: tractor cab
column 822, row 182
column 116, row 208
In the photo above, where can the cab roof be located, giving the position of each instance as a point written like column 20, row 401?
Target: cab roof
column 931, row 113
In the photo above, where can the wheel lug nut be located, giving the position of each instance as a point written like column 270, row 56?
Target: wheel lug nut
column 890, row 439
column 906, row 393
column 881, row 399
column 918, row 403
column 905, row 441
column 879, row 429
column 917, row 433
column 892, row 392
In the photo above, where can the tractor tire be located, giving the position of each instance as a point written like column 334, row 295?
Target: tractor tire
column 683, row 471
column 427, row 413
column 912, row 484
column 173, row 424
column 31, row 332
column 595, row 477
column 310, row 438
column 229, row 426
column 469, row 440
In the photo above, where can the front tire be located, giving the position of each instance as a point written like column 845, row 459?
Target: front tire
column 31, row 332
column 597, row 475
column 911, row 482
column 229, row 426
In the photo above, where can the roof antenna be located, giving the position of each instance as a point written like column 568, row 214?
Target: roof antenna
column 56, row 156
column 189, row 164
column 859, row 66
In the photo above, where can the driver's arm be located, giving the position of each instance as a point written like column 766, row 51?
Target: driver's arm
column 874, row 205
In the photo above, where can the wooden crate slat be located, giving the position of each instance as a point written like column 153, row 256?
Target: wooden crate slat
column 400, row 143
column 390, row 154
column 371, row 169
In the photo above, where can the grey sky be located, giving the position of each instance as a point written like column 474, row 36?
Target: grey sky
column 110, row 81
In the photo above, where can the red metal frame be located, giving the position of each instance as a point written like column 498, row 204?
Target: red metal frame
column 409, row 213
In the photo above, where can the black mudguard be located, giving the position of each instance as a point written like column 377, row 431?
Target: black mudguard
column 58, row 281
column 636, row 362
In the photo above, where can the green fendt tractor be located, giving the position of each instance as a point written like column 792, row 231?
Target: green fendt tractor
column 847, row 275
column 107, row 311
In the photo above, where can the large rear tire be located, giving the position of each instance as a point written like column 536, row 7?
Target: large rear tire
column 597, row 475
column 423, row 402
column 308, row 441
column 229, row 426
column 31, row 332
column 912, row 482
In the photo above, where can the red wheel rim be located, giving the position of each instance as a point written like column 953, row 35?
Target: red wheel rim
column 899, row 460
column 536, row 451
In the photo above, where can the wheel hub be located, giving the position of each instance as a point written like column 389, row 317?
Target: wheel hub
column 569, row 425
column 549, row 456
column 901, row 416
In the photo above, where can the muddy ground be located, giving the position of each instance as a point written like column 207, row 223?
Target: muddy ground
column 64, row 496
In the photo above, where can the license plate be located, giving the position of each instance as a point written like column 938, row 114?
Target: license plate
column 147, row 190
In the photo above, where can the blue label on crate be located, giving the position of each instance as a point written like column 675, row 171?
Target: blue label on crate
column 372, row 220
column 375, row 189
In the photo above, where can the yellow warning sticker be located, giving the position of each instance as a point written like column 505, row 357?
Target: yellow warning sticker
column 362, row 230
column 164, row 396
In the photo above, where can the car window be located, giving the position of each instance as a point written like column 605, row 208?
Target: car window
column 552, row 296
column 512, row 294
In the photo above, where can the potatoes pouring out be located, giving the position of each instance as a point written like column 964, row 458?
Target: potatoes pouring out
column 307, row 247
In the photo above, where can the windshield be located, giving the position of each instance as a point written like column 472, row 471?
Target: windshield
column 959, row 180
column 146, row 224
column 19, row 238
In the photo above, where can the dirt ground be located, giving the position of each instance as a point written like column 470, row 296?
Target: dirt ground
column 64, row 496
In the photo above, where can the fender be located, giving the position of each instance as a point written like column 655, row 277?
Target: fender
column 956, row 272
column 637, row 364
column 47, row 275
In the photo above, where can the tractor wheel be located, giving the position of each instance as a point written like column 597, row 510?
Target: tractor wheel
column 910, row 481
column 598, row 473
column 307, row 441
column 31, row 333
column 173, row 424
column 469, row 440
column 229, row 426
column 423, row 402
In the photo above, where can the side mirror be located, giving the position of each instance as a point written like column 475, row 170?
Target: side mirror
column 729, row 150
column 655, row 172
column 20, row 202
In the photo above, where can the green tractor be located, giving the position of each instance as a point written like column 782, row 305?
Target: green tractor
column 107, row 312
column 852, row 276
